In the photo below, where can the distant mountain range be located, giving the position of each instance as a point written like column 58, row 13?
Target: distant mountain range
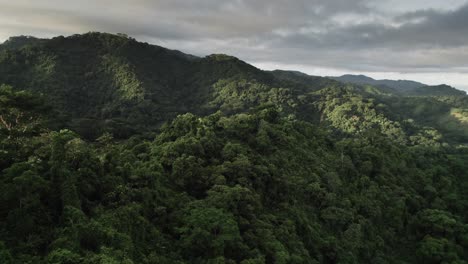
column 103, row 82
column 402, row 87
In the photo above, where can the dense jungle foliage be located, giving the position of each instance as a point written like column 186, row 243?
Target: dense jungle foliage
column 116, row 151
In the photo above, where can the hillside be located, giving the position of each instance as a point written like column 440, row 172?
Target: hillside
column 112, row 82
column 117, row 151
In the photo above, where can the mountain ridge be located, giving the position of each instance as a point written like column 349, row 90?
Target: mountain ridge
column 107, row 82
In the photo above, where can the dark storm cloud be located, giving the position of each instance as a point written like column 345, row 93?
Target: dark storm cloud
column 425, row 40
column 364, row 35
column 427, row 28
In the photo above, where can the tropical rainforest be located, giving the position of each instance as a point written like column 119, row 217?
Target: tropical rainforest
column 117, row 151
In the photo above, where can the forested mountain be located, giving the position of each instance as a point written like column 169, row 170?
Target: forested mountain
column 116, row 151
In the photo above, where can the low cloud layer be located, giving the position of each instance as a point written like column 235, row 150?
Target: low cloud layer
column 423, row 40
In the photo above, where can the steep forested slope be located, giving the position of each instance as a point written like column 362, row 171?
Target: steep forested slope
column 125, row 152
column 115, row 82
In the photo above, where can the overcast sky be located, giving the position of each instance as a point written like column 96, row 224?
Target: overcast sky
column 423, row 40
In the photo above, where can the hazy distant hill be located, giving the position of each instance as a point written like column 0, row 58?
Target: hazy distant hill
column 403, row 87
column 362, row 79
column 437, row 90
